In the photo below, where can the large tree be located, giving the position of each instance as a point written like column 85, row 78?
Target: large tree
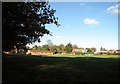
column 24, row 22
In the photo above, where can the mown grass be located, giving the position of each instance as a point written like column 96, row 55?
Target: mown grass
column 47, row 69
column 87, row 55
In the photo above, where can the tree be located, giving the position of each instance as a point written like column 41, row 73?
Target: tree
column 50, row 44
column 93, row 49
column 75, row 46
column 45, row 47
column 21, row 51
column 55, row 49
column 62, row 48
column 58, row 49
column 34, row 47
column 28, row 47
column 102, row 49
column 89, row 50
column 39, row 48
column 24, row 22
column 68, row 48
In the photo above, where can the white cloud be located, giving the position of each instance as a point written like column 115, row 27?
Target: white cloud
column 90, row 21
column 114, row 9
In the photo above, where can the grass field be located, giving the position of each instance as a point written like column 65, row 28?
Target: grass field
column 61, row 69
column 74, row 56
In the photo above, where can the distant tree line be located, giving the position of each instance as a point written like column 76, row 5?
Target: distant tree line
column 67, row 49
column 61, row 49
column 54, row 48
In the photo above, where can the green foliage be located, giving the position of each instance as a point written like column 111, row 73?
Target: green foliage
column 102, row 49
column 62, row 48
column 89, row 50
column 21, row 51
column 93, row 49
column 68, row 48
column 55, row 49
column 82, row 53
column 36, row 47
column 24, row 22
column 45, row 47
column 77, row 53
column 75, row 46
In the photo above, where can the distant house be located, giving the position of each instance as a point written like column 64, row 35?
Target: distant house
column 13, row 51
column 38, row 52
column 111, row 51
column 82, row 50
column 104, row 51
column 75, row 50
column 117, row 52
column 101, row 52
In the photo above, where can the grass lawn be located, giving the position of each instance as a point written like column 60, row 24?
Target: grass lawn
column 64, row 69
column 96, row 56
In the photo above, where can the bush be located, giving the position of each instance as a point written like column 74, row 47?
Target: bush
column 77, row 53
column 82, row 53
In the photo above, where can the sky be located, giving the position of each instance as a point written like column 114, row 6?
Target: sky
column 86, row 24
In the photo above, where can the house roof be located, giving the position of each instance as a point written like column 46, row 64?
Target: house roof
column 78, row 50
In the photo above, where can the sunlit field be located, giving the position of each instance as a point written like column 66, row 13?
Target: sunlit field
column 61, row 69
column 87, row 55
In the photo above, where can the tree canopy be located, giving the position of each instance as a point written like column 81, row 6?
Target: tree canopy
column 24, row 22
column 68, row 48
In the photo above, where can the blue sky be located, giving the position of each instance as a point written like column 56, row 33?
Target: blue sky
column 89, row 24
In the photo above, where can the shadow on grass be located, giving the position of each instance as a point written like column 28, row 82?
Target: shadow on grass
column 42, row 69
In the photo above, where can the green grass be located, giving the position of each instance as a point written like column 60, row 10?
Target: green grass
column 64, row 69
column 74, row 56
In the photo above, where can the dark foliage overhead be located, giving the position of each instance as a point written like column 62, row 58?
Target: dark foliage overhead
column 24, row 23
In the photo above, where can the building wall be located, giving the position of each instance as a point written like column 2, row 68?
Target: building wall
column 38, row 52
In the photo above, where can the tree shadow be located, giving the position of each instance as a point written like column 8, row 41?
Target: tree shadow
column 42, row 69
